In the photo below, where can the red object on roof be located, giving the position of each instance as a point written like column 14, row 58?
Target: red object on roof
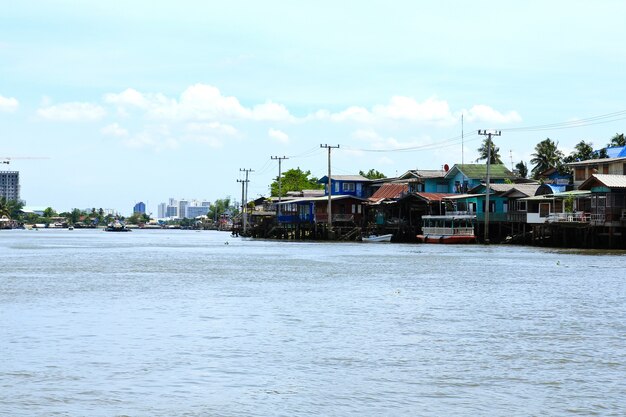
column 390, row 191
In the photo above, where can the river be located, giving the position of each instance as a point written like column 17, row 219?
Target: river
column 184, row 323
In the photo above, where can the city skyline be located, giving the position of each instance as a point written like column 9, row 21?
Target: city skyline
column 133, row 99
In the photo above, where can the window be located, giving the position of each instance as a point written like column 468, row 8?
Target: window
column 348, row 186
column 544, row 209
column 521, row 205
column 605, row 168
column 579, row 174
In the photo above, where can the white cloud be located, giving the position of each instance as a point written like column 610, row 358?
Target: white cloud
column 197, row 102
column 278, row 135
column 399, row 108
column 8, row 104
column 483, row 113
column 114, row 129
column 72, row 112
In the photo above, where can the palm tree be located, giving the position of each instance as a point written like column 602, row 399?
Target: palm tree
column 483, row 151
column 617, row 140
column 10, row 208
column 547, row 155
column 583, row 151
column 522, row 168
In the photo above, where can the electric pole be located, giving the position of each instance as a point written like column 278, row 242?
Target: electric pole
column 329, row 210
column 244, row 198
column 280, row 184
column 487, row 191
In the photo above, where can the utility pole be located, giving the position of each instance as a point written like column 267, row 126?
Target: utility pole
column 330, row 190
column 244, row 198
column 487, row 191
column 462, row 145
column 280, row 183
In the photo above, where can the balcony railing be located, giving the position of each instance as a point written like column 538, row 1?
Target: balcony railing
column 577, row 217
column 448, row 231
column 323, row 217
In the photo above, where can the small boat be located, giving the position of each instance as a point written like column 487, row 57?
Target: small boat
column 377, row 238
column 117, row 226
column 448, row 229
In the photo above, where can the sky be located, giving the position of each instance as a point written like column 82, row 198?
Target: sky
column 147, row 100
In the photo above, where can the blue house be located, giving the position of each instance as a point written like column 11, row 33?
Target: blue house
column 426, row 181
column 352, row 185
column 463, row 177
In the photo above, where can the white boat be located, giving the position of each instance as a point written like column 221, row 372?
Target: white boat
column 448, row 229
column 377, row 238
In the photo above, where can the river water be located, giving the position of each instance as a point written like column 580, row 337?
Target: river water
column 184, row 323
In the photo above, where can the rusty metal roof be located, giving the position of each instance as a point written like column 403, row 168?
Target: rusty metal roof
column 434, row 196
column 390, row 191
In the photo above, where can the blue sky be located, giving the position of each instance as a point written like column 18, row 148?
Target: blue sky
column 142, row 101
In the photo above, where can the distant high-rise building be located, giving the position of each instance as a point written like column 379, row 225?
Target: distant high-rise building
column 161, row 210
column 171, row 211
column 195, row 211
column 10, row 185
column 182, row 208
column 139, row 208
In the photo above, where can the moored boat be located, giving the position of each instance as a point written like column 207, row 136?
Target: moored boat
column 448, row 229
column 117, row 226
column 377, row 238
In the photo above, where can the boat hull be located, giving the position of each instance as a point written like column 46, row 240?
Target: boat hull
column 381, row 238
column 447, row 239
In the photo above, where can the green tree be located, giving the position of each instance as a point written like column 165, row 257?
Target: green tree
column 220, row 207
column 49, row 212
column 547, row 155
column 617, row 140
column 10, row 208
column 74, row 216
column 583, row 151
column 483, row 151
column 372, row 174
column 522, row 168
column 295, row 180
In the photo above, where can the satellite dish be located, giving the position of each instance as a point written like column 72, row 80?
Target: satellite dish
column 446, row 168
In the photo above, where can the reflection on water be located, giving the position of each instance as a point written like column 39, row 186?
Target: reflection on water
column 177, row 323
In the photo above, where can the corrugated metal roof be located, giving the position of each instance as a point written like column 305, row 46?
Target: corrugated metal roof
column 434, row 196
column 595, row 161
column 349, row 177
column 390, row 191
column 575, row 193
column 610, row 181
column 480, row 171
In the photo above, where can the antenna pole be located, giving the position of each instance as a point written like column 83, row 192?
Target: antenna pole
column 280, row 185
column 330, row 189
column 487, row 190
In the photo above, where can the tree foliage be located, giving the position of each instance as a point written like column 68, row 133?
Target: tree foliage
column 372, row 174
column 295, row 180
column 522, row 168
column 617, row 140
column 221, row 207
column 547, row 155
column 582, row 152
column 10, row 208
column 483, row 152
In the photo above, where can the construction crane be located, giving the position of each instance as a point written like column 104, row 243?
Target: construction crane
column 7, row 159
